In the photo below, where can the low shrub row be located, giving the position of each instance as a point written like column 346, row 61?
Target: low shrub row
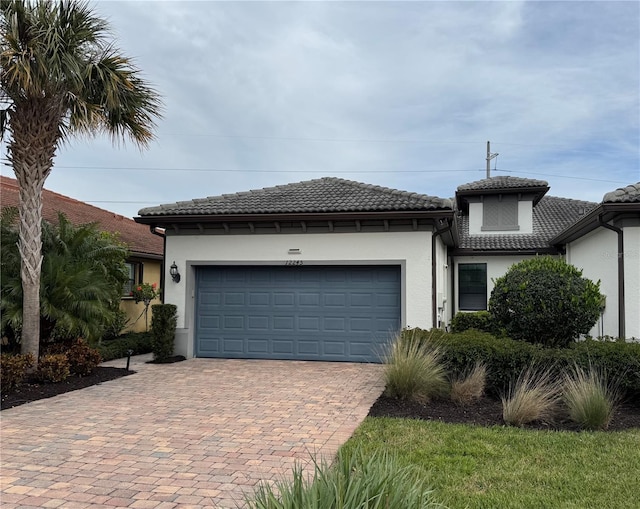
column 136, row 342
column 506, row 359
column 57, row 363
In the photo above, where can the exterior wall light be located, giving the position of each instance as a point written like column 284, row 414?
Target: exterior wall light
column 175, row 275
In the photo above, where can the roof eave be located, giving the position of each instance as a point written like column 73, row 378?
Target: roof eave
column 504, row 252
column 539, row 191
column 604, row 212
column 307, row 216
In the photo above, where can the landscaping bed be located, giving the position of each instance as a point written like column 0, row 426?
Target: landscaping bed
column 31, row 390
column 487, row 412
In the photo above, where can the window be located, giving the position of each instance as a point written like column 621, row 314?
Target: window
column 472, row 286
column 500, row 213
column 135, row 277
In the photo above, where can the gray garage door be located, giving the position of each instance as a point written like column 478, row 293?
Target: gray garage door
column 330, row 313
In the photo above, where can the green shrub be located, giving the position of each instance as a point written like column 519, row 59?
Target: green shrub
column 620, row 358
column 13, row 369
column 534, row 397
column 413, row 370
column 479, row 320
column 506, row 358
column 136, row 342
column 590, row 399
column 82, row 358
column 53, row 368
column 545, row 300
column 356, row 480
column 469, row 385
column 163, row 330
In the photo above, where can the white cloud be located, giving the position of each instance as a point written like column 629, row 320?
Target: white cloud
column 323, row 88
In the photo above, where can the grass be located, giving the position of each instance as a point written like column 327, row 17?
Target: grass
column 469, row 385
column 354, row 481
column 534, row 397
column 589, row 398
column 489, row 467
column 413, row 370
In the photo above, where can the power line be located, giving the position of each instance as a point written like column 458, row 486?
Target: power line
column 347, row 172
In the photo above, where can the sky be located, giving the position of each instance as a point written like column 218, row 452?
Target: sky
column 398, row 94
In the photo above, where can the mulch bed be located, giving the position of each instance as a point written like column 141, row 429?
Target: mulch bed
column 32, row 390
column 488, row 412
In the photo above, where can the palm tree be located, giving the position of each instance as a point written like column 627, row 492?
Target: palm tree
column 60, row 76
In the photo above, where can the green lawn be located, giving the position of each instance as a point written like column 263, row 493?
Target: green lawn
column 502, row 467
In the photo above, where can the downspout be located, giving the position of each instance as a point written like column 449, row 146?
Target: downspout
column 434, row 274
column 153, row 230
column 621, row 311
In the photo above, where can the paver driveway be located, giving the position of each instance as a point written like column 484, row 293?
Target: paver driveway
column 198, row 433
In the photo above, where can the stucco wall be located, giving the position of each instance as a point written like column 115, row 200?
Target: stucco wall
column 596, row 255
column 151, row 271
column 497, row 266
column 410, row 250
column 632, row 281
column 525, row 219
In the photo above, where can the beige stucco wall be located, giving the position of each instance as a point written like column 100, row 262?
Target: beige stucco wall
column 151, row 270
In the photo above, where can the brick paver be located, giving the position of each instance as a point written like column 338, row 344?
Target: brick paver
column 199, row 433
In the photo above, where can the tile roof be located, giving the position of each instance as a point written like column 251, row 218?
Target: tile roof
column 550, row 217
column 628, row 194
column 328, row 194
column 502, row 182
column 137, row 236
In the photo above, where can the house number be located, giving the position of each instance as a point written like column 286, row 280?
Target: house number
column 294, row 262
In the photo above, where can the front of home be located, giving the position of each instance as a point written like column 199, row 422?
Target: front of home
column 330, row 269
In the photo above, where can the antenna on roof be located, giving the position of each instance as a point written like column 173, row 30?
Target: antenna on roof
column 489, row 157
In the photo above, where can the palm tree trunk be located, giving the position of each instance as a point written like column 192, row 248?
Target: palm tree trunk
column 30, row 248
column 31, row 152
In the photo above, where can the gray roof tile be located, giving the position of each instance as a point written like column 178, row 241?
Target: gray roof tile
column 550, row 216
column 328, row 194
column 502, row 182
column 628, row 194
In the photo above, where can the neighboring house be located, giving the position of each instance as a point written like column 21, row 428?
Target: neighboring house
column 145, row 249
column 329, row 269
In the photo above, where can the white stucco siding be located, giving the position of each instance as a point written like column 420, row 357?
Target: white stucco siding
column 596, row 254
column 525, row 219
column 443, row 300
column 632, row 281
column 497, row 266
column 410, row 250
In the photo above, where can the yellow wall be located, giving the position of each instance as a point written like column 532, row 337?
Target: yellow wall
column 151, row 270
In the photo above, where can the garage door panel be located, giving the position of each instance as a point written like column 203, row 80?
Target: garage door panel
column 315, row 313
column 281, row 346
column 335, row 299
column 258, row 323
column 283, row 323
column 259, row 299
column 284, row 299
column 309, row 323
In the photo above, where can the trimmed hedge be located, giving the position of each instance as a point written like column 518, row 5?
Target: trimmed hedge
column 507, row 358
column 163, row 330
column 137, row 342
column 479, row 320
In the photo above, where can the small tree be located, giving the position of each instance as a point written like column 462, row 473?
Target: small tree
column 145, row 293
column 545, row 300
